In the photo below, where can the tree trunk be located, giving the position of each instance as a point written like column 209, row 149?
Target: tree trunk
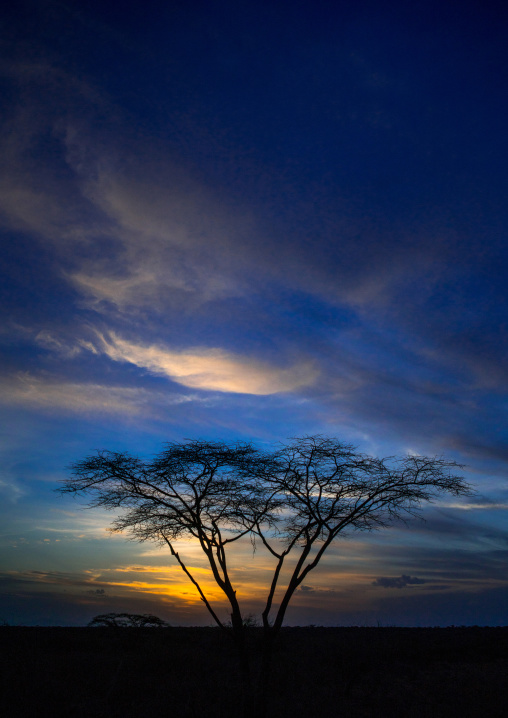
column 265, row 673
column 244, row 664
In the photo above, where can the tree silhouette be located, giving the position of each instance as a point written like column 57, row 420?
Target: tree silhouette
column 295, row 500
column 127, row 620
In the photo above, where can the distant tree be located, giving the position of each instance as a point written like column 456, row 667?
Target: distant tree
column 127, row 620
column 295, row 500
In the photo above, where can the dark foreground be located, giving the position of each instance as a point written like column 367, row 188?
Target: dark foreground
column 191, row 672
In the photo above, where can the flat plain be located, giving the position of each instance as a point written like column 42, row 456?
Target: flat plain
column 190, row 672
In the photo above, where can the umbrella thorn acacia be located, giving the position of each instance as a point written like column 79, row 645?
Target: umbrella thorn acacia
column 127, row 620
column 296, row 499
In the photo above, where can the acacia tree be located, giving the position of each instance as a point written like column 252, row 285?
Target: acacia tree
column 295, row 500
column 127, row 620
column 210, row 491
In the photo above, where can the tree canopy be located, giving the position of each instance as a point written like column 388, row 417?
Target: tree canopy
column 127, row 620
column 295, row 499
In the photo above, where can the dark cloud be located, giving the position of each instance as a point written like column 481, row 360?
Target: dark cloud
column 400, row 582
column 460, row 524
column 473, row 447
column 442, row 561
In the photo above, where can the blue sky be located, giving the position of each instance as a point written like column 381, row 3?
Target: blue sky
column 252, row 220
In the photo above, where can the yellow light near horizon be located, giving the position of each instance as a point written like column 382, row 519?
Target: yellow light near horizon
column 251, row 584
column 331, row 586
column 184, row 591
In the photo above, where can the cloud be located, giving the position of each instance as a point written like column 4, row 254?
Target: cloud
column 457, row 525
column 129, row 227
column 149, row 231
column 26, row 389
column 11, row 489
column 473, row 446
column 53, row 343
column 171, row 238
column 400, row 582
column 482, row 505
column 212, row 369
column 132, row 229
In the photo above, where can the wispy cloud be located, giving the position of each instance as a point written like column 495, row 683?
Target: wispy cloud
column 129, row 233
column 155, row 233
column 477, row 506
column 212, row 369
column 10, row 489
column 25, row 389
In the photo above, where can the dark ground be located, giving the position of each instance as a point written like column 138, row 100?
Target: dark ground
column 191, row 672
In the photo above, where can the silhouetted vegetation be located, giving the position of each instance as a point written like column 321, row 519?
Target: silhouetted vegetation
column 295, row 500
column 191, row 672
column 127, row 620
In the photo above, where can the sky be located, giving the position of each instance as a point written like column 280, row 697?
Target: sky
column 253, row 220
